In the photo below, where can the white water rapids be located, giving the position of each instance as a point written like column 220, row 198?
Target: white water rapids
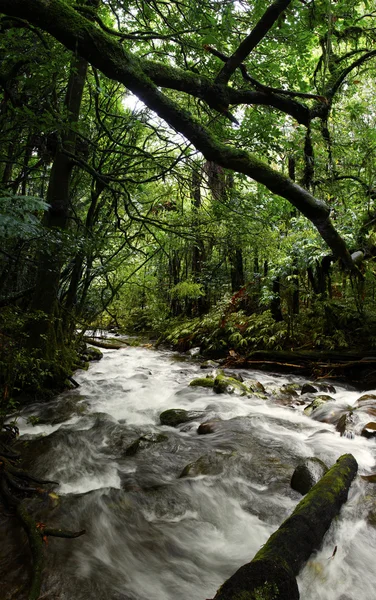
column 152, row 535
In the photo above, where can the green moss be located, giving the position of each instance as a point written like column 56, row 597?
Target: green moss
column 207, row 382
column 223, row 384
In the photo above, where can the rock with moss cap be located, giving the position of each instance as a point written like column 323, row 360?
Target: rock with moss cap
column 206, row 382
column 229, row 385
column 318, row 401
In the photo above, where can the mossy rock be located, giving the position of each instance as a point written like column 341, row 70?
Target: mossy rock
column 93, row 353
column 175, row 416
column 307, row 474
column 229, row 385
column 290, row 389
column 209, row 364
column 206, row 382
column 318, row 401
column 255, row 386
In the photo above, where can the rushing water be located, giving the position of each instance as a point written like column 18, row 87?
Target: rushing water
column 152, row 535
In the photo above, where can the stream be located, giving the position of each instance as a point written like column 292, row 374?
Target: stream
column 153, row 535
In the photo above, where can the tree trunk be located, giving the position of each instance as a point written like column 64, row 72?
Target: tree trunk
column 271, row 574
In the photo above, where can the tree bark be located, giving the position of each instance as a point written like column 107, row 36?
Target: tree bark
column 271, row 574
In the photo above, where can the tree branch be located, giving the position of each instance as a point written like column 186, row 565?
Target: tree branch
column 99, row 48
column 250, row 42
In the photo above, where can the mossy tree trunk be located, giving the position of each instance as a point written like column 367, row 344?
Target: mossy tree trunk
column 46, row 332
column 271, row 574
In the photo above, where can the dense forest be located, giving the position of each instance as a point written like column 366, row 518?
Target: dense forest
column 203, row 173
column 198, row 176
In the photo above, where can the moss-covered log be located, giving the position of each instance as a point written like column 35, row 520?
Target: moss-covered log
column 271, row 574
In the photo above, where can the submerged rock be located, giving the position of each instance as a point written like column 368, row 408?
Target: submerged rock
column 307, row 474
column 209, row 464
column 145, row 441
column 174, row 416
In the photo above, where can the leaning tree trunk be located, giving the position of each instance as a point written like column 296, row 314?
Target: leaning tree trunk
column 271, row 574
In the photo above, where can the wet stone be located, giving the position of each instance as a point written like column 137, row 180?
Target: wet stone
column 346, row 424
column 307, row 474
column 318, row 401
column 369, row 431
column 208, row 427
column 174, row 416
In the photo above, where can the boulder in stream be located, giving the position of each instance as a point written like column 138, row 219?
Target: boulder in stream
column 369, row 430
column 307, row 474
column 317, row 402
column 208, row 427
column 175, row 416
column 346, row 425
column 312, row 388
column 229, row 385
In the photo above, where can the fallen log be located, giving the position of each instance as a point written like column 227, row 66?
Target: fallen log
column 357, row 368
column 106, row 345
column 271, row 575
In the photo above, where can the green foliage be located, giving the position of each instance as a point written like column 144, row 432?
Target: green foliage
column 20, row 216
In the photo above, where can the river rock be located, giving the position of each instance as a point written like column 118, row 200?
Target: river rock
column 209, row 464
column 346, row 425
column 307, row 474
column 209, row 364
column 174, row 416
column 318, row 401
column 145, row 441
column 312, row 388
column 194, row 351
column 308, row 388
column 229, row 385
column 290, row 389
column 369, row 431
column 367, row 404
column 255, row 386
column 208, row 427
column 234, row 375
column 93, row 353
column 207, row 382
